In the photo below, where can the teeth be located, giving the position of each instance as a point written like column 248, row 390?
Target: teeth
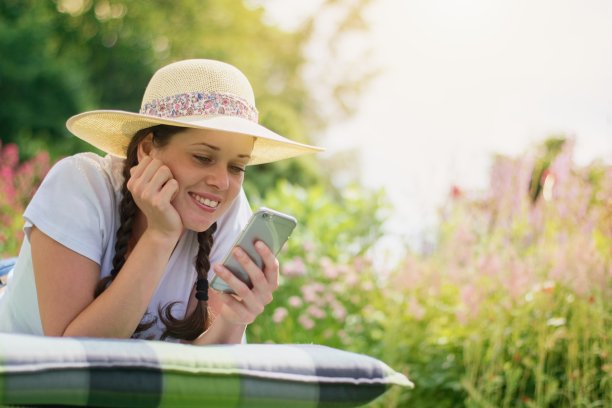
column 206, row 201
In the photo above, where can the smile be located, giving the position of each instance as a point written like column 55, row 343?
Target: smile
column 205, row 201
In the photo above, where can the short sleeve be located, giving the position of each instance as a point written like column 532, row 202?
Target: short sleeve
column 73, row 206
column 229, row 227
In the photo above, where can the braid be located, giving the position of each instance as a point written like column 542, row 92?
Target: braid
column 127, row 214
column 192, row 326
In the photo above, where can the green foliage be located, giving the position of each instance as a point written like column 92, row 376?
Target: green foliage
column 510, row 307
column 63, row 57
column 325, row 276
column 509, row 310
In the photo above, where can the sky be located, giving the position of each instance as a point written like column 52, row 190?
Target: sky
column 464, row 79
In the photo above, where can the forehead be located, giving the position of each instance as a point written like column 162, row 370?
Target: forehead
column 222, row 141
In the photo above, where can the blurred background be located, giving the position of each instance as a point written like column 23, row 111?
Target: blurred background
column 459, row 225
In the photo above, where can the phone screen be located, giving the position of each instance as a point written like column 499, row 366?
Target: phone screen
column 271, row 227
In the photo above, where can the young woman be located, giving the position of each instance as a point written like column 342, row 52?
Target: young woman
column 123, row 247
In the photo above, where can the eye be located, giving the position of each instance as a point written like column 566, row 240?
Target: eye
column 202, row 159
column 237, row 169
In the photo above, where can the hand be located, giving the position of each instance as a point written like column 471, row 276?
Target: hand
column 153, row 188
column 247, row 304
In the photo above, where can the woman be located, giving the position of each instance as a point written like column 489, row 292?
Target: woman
column 123, row 247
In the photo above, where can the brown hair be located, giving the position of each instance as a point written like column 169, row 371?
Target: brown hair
column 193, row 325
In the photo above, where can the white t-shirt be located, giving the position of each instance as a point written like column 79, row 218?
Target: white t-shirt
column 77, row 205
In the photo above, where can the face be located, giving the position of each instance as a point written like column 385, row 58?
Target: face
column 209, row 168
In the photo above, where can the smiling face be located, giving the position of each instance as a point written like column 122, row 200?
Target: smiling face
column 209, row 168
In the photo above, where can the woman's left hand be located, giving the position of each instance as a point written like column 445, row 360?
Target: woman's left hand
column 247, row 304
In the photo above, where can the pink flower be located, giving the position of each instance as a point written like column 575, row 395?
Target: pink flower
column 330, row 298
column 455, row 192
column 470, row 302
column 328, row 267
column 351, row 278
column 9, row 155
column 279, row 315
column 359, row 264
column 310, row 292
column 316, row 312
column 308, row 246
column 306, row 322
column 295, row 301
column 339, row 312
column 294, row 267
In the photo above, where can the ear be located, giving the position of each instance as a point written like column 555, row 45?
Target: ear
column 145, row 146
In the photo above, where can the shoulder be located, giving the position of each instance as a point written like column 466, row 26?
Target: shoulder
column 76, row 204
column 92, row 168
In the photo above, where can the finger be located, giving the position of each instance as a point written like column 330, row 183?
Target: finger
column 137, row 170
column 262, row 289
column 161, row 176
column 152, row 187
column 238, row 311
column 255, row 273
column 271, row 267
column 150, row 170
column 238, row 286
column 142, row 174
column 169, row 190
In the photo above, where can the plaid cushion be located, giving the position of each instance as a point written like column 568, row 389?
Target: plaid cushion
column 137, row 373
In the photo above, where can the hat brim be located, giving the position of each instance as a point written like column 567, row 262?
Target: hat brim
column 112, row 130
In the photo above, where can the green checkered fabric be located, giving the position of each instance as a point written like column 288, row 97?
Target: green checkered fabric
column 137, row 373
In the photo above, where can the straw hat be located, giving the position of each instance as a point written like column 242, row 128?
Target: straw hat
column 197, row 93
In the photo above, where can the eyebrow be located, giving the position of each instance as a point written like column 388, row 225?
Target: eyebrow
column 216, row 148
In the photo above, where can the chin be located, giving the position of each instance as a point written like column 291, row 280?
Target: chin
column 198, row 227
column 199, row 222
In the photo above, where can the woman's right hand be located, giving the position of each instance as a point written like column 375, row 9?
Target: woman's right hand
column 153, row 188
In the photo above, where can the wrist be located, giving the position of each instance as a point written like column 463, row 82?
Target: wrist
column 161, row 239
column 230, row 326
column 222, row 331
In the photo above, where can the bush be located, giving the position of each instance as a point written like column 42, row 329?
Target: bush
column 18, row 183
column 510, row 308
column 326, row 277
column 507, row 310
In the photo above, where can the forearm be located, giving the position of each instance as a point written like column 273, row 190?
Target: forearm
column 119, row 309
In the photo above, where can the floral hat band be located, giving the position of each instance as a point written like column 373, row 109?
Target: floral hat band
column 200, row 104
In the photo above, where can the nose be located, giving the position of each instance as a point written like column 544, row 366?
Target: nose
column 218, row 177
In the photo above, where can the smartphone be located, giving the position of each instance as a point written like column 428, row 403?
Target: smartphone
column 270, row 226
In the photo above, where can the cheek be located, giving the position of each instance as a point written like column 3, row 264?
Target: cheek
column 235, row 187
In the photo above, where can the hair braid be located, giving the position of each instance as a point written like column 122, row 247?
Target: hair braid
column 127, row 214
column 192, row 326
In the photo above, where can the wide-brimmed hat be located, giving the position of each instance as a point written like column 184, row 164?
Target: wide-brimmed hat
column 196, row 93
